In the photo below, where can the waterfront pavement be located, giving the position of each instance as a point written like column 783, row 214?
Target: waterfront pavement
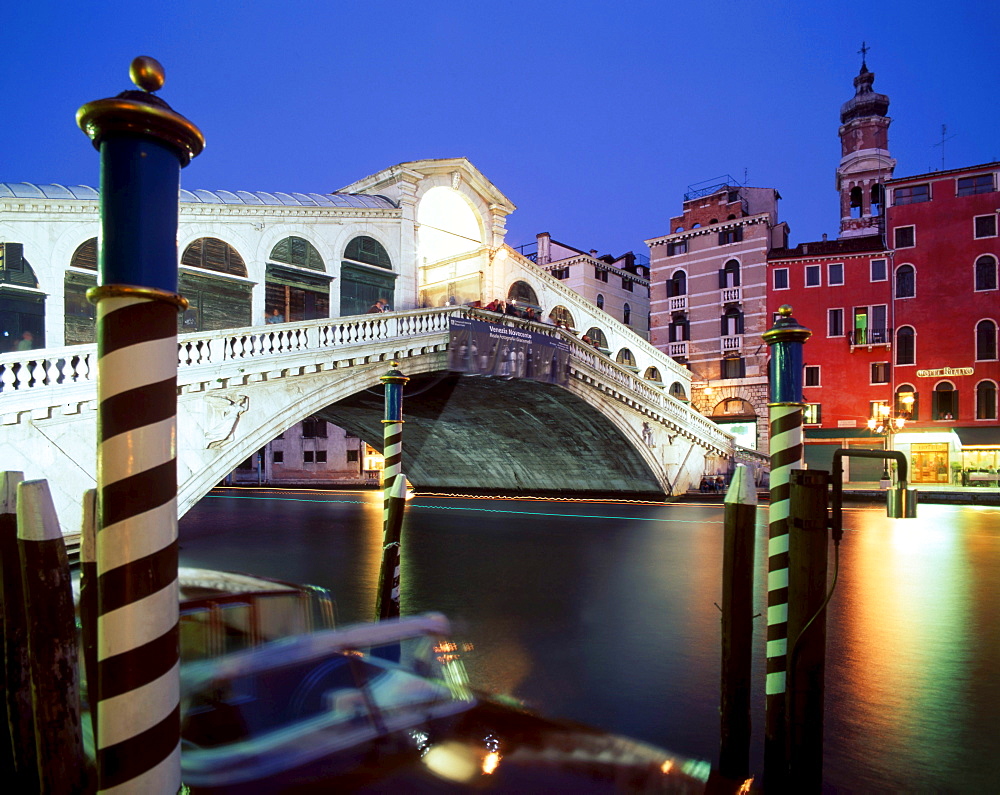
column 928, row 493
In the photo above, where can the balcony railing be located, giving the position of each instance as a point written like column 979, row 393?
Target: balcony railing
column 730, row 344
column 730, row 295
column 677, row 349
column 678, row 303
column 871, row 336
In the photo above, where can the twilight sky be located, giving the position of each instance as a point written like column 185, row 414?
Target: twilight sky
column 593, row 118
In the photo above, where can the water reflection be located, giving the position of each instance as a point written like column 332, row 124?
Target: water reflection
column 606, row 614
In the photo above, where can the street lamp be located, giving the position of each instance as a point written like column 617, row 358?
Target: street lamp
column 887, row 420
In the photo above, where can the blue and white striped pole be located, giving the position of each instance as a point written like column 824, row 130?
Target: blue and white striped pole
column 394, row 487
column 143, row 145
column 785, row 340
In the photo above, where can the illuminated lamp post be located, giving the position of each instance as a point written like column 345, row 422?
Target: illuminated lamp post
column 885, row 421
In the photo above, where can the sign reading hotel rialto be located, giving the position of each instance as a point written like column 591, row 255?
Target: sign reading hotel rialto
column 943, row 371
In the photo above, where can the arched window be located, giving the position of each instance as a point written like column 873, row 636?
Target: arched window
column 729, row 276
column 625, row 358
column 986, row 341
column 79, row 314
column 986, row 400
column 597, row 337
column 523, row 294
column 856, row 202
column 627, row 315
column 677, row 284
column 906, row 281
column 732, row 322
column 945, row 402
column 906, row 402
column 300, row 252
column 678, row 229
column 877, row 199
column 677, row 391
column 289, row 293
column 714, row 221
column 213, row 303
column 986, row 273
column 562, row 314
column 652, row 374
column 600, row 301
column 365, row 276
column 905, row 346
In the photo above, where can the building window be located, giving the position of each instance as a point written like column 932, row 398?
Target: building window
column 321, row 456
column 733, row 367
column 313, row 428
column 732, row 322
column 352, row 456
column 980, row 183
column 878, row 270
column 813, row 276
column 680, row 329
column 729, row 276
column 906, row 281
column 835, row 274
column 856, row 202
column 906, row 402
column 677, row 391
column 986, row 273
column 912, row 194
column 727, row 236
column 984, row 226
column 812, row 375
column 986, row 341
column 880, row 372
column 870, row 325
column 986, row 400
column 626, row 284
column 677, row 284
column 601, row 275
column 627, row 315
column 835, row 322
column 277, row 457
column 945, row 402
column 652, row 374
column 307, row 456
column 781, row 278
column 560, row 273
column 677, row 247
column 905, row 346
column 878, row 199
column 625, row 357
column 812, row 414
column 905, row 236
column 600, row 301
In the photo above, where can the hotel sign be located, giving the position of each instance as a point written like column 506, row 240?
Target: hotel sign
column 945, row 371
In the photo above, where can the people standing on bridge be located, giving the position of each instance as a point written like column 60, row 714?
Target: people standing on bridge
column 275, row 316
column 26, row 343
column 381, row 305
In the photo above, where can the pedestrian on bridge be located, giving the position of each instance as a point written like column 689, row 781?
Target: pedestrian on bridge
column 381, row 305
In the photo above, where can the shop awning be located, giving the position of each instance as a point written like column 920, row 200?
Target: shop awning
column 979, row 437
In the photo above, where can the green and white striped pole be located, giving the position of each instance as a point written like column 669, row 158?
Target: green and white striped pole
column 785, row 340
column 143, row 145
column 394, row 487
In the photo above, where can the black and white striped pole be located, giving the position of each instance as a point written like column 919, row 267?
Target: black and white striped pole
column 393, row 485
column 785, row 340
column 143, row 145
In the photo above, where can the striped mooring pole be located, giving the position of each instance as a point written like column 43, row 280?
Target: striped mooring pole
column 785, row 340
column 387, row 602
column 143, row 145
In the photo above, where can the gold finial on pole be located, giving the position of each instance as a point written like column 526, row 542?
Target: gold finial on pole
column 147, row 73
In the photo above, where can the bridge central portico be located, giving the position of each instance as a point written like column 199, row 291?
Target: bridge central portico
column 607, row 430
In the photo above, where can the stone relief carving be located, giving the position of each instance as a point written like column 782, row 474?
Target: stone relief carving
column 225, row 413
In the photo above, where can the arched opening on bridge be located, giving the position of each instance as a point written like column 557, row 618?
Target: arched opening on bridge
column 738, row 417
column 296, row 285
column 523, row 297
column 677, row 391
column 652, row 374
column 79, row 314
column 213, row 278
column 598, row 337
column 626, row 359
column 449, row 243
column 561, row 314
column 365, row 276
column 22, row 303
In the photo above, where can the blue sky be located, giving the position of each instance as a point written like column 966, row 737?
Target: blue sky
column 593, row 118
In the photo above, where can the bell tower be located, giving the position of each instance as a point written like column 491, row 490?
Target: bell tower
column 865, row 164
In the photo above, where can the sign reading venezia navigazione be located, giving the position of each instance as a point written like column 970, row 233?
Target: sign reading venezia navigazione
column 480, row 348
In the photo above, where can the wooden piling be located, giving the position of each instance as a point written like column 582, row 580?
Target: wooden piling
column 807, row 593
column 17, row 716
column 737, row 624
column 88, row 601
column 52, row 642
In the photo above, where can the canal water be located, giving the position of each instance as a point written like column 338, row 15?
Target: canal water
column 606, row 613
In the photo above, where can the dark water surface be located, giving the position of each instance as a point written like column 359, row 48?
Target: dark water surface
column 606, row 613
